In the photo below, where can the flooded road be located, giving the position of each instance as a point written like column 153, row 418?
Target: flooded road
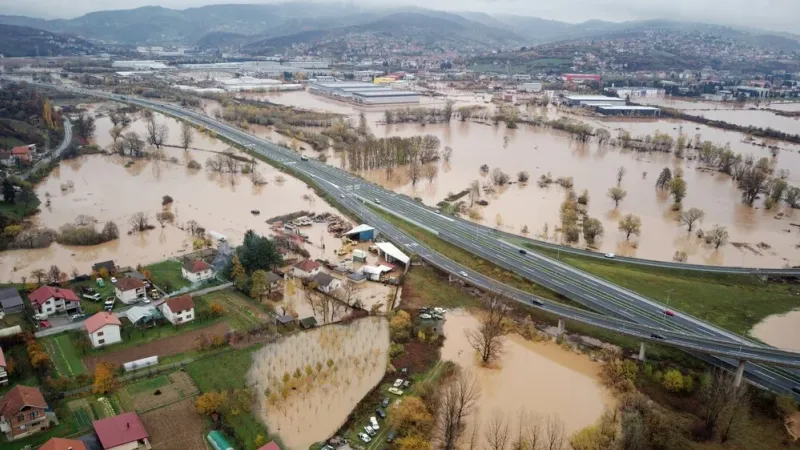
column 541, row 377
column 308, row 382
column 780, row 330
column 115, row 187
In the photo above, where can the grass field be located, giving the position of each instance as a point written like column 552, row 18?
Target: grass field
column 148, row 384
column 735, row 302
column 167, row 275
column 241, row 312
column 226, row 371
column 64, row 355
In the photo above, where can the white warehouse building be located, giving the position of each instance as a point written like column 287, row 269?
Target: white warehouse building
column 139, row 65
column 382, row 98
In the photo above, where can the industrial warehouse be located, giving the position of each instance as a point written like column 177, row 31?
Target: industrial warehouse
column 363, row 93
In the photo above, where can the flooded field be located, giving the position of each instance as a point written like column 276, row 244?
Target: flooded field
column 309, row 382
column 542, row 378
column 115, row 187
column 780, row 330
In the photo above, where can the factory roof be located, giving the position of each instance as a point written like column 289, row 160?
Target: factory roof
column 386, row 94
column 596, row 98
column 394, row 252
column 628, row 108
column 344, row 84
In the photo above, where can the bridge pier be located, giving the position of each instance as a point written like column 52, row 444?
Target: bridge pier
column 561, row 327
column 641, row 351
column 739, row 373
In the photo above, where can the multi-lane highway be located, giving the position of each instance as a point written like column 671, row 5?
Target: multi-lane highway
column 621, row 310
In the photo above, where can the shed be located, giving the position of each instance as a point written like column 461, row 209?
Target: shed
column 143, row 315
column 108, row 265
column 218, row 441
column 392, row 253
column 284, row 319
column 10, row 301
column 357, row 277
column 308, row 322
column 362, row 232
column 359, row 255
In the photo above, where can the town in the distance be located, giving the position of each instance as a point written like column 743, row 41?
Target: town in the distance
column 338, row 226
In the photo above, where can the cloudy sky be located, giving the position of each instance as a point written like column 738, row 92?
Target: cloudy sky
column 783, row 15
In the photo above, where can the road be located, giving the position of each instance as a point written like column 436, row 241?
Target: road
column 55, row 153
column 620, row 309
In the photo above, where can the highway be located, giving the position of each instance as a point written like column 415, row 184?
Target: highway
column 620, row 310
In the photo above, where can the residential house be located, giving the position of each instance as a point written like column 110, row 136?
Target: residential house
column 103, row 329
column 3, row 365
column 196, row 270
column 10, row 301
column 130, row 290
column 178, row 310
column 109, row 267
column 327, row 283
column 63, row 444
column 51, row 300
column 23, row 153
column 271, row 445
column 24, row 412
column 308, row 268
column 285, row 319
column 122, row 432
column 274, row 282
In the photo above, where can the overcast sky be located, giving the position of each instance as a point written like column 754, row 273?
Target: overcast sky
column 781, row 15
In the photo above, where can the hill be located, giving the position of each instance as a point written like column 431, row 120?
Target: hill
column 18, row 41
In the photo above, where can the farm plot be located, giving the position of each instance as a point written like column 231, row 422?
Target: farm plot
column 64, row 355
column 152, row 393
column 172, row 345
column 175, row 427
column 240, row 312
column 87, row 409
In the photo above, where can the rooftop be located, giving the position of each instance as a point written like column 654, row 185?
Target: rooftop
column 393, row 93
column 590, row 98
column 100, row 320
column 391, row 250
column 63, row 444
column 20, row 396
column 127, row 284
column 119, row 430
column 360, row 229
column 181, row 303
column 307, row 265
column 628, row 108
column 44, row 293
column 196, row 265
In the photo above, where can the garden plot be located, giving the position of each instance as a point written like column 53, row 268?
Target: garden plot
column 308, row 383
column 175, row 427
column 151, row 393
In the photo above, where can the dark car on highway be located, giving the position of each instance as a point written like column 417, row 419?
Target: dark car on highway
column 657, row 336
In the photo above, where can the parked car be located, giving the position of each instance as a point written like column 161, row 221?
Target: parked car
column 93, row 297
column 404, row 371
column 40, row 316
column 391, row 436
column 380, row 413
column 439, row 310
column 113, row 279
column 369, row 430
column 425, row 316
column 154, row 294
column 374, row 423
column 437, row 317
column 303, row 158
column 397, row 383
column 406, row 384
column 385, row 402
column 44, row 324
column 109, row 304
column 364, row 437
column 395, row 391
column 77, row 317
column 377, row 201
column 101, row 283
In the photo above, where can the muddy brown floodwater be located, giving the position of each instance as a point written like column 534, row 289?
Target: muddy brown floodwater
column 540, row 377
column 307, row 383
column 103, row 187
column 780, row 330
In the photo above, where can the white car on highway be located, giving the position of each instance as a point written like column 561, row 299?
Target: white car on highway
column 610, row 255
column 463, row 274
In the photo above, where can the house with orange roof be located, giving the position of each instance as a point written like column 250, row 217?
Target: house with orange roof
column 103, row 329
column 24, row 412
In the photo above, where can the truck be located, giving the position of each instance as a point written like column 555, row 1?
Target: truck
column 93, row 297
column 109, row 303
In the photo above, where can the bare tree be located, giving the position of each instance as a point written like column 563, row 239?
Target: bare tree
column 499, row 178
column 187, row 135
column 474, row 434
column 474, row 192
column 84, row 219
column 723, row 403
column 414, row 171
column 326, row 306
column 447, row 153
column 349, row 292
column 620, row 174
column 156, row 133
column 165, row 217
column 215, row 164
column 139, row 222
column 133, row 143
column 53, row 274
column 692, row 216
column 555, row 433
column 488, row 339
column 430, row 172
column 230, row 163
column 529, row 431
column 496, row 434
column 115, row 133
column 457, row 401
column 257, row 178
column 717, row 236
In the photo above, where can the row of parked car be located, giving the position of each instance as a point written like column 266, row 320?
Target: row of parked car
column 432, row 313
column 372, row 429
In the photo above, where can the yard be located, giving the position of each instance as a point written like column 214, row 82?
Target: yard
column 167, row 275
column 155, row 392
column 241, row 312
column 226, row 371
column 64, row 354
column 89, row 306
column 67, row 426
column 175, row 427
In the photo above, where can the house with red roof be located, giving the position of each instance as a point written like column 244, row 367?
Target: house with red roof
column 306, row 268
column 196, row 270
column 178, row 310
column 51, row 300
column 23, row 153
column 271, row 445
column 130, row 290
column 3, row 366
column 24, row 412
column 63, row 444
column 122, row 432
column 103, row 329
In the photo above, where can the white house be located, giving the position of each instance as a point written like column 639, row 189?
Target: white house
column 103, row 329
column 130, row 290
column 327, row 283
column 3, row 365
column 179, row 310
column 307, row 268
column 51, row 300
column 197, row 270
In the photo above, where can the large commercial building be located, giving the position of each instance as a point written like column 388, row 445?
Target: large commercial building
column 139, row 65
column 361, row 92
column 383, row 98
column 628, row 110
column 252, row 84
column 593, row 100
column 580, row 77
column 532, row 86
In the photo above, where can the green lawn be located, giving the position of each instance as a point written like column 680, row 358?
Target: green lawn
column 240, row 311
column 18, row 211
column 167, row 275
column 427, row 287
column 734, row 302
column 92, row 307
column 147, row 385
column 64, row 355
column 228, row 371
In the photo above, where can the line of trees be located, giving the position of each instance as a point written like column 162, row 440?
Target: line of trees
column 84, row 232
column 388, row 153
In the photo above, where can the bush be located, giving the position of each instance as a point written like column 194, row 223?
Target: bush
column 72, row 234
column 194, row 165
column 673, row 380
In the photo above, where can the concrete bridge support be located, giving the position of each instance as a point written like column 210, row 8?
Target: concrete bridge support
column 739, row 372
column 641, row 351
column 561, row 327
